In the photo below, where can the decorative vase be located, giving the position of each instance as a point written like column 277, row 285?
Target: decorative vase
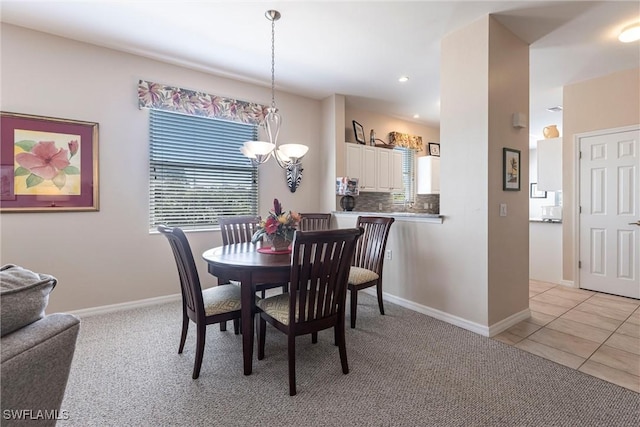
column 278, row 243
column 551, row 131
column 347, row 203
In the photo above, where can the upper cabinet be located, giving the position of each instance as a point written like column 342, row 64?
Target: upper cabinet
column 389, row 170
column 428, row 174
column 377, row 169
column 550, row 164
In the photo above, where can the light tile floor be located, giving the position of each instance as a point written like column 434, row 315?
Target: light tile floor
column 595, row 333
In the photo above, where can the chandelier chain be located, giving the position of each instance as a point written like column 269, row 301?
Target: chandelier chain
column 273, row 63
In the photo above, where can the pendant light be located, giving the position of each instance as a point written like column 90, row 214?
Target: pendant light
column 288, row 156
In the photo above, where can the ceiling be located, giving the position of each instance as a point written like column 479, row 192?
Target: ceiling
column 355, row 48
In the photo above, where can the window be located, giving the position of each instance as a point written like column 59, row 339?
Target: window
column 197, row 172
column 408, row 177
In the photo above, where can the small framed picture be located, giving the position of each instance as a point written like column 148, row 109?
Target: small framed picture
column 434, row 149
column 358, row 130
column 510, row 169
column 534, row 193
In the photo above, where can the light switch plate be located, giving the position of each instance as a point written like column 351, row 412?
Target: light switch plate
column 503, row 209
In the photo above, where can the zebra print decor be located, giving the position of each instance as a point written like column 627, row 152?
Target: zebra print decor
column 294, row 176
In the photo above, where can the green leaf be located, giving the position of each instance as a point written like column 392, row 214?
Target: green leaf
column 21, row 171
column 71, row 170
column 26, row 144
column 33, row 180
column 60, row 180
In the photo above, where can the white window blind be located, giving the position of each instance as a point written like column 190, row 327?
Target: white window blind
column 408, row 177
column 197, row 172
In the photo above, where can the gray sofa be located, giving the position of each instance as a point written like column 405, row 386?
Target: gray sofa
column 36, row 349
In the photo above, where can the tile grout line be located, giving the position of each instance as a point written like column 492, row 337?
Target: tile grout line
column 603, row 342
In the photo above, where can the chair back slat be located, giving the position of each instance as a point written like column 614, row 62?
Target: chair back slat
column 314, row 221
column 320, row 269
column 187, row 271
column 369, row 252
column 238, row 228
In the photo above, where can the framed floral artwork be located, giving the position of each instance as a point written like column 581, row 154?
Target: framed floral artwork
column 47, row 164
column 510, row 169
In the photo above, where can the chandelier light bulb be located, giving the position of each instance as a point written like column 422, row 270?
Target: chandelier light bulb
column 630, row 34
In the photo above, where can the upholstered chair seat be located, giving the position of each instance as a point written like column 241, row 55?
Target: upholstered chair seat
column 359, row 275
column 221, row 299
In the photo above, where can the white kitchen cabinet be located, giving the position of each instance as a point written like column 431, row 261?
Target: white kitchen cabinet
column 396, row 174
column 361, row 163
column 428, row 175
column 389, row 170
column 383, row 173
column 377, row 169
column 550, row 164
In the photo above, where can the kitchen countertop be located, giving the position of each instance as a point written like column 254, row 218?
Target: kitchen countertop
column 546, row 220
column 400, row 216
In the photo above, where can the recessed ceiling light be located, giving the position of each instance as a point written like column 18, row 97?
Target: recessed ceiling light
column 403, row 79
column 630, row 34
column 416, row 116
column 555, row 109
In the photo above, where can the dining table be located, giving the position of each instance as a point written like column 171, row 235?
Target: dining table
column 249, row 264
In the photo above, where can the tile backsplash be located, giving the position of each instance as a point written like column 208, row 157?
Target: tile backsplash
column 383, row 202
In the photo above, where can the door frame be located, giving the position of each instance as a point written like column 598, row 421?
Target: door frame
column 576, row 190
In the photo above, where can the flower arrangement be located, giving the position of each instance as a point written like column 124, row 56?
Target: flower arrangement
column 277, row 224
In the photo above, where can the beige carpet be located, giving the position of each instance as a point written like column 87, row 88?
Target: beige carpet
column 407, row 369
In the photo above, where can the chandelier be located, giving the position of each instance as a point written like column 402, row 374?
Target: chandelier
column 288, row 156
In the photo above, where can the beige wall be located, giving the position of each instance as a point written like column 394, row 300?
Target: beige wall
column 508, row 236
column 383, row 125
column 484, row 74
column 333, row 123
column 603, row 103
column 109, row 256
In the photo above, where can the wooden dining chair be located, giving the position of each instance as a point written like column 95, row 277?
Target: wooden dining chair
column 240, row 229
column 204, row 307
column 317, row 297
column 368, row 259
column 314, row 221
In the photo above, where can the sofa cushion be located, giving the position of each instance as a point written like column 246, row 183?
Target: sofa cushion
column 23, row 297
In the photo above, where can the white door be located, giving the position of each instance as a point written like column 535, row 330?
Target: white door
column 609, row 221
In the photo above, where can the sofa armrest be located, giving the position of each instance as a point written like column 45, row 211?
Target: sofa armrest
column 35, row 364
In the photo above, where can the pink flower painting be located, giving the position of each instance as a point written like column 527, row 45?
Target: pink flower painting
column 45, row 160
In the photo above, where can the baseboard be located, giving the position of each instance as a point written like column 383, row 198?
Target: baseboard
column 104, row 309
column 487, row 331
column 440, row 315
column 568, row 283
column 505, row 324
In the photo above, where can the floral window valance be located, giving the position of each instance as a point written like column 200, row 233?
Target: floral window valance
column 405, row 140
column 168, row 98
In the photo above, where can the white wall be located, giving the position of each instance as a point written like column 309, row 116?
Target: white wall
column 109, row 256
